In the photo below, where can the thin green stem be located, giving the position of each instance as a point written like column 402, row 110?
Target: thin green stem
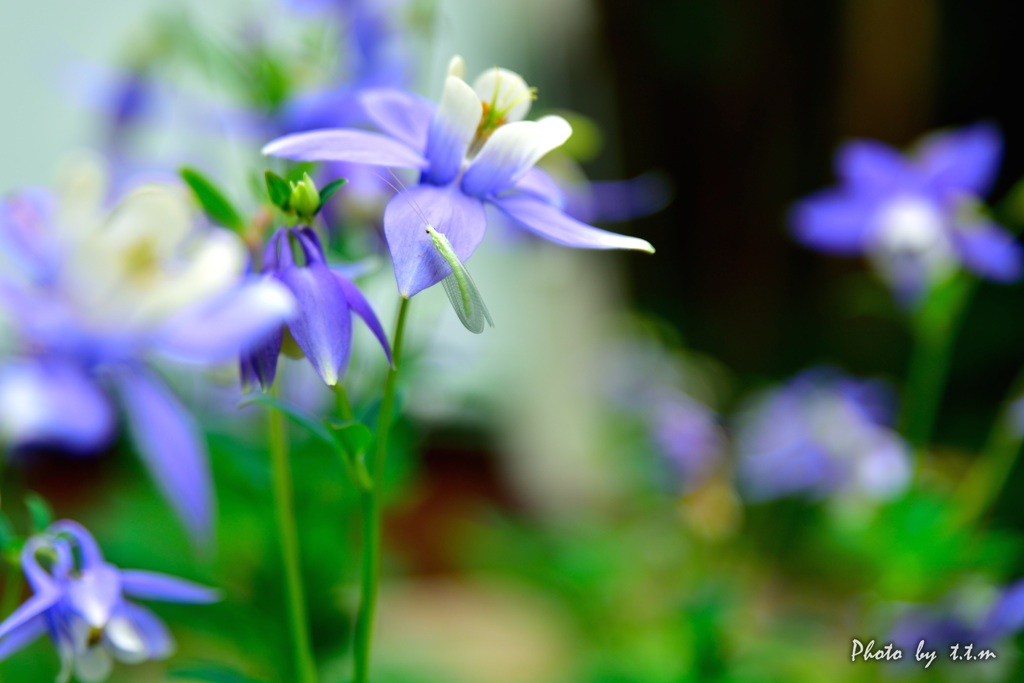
column 288, row 531
column 370, row 502
column 935, row 328
column 988, row 474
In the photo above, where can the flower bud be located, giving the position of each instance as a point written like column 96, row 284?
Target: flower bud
column 305, row 198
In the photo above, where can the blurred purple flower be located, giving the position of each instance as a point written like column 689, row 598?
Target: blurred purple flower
column 963, row 618
column 819, row 435
column 322, row 326
column 79, row 600
column 474, row 147
column 917, row 215
column 95, row 295
column 688, row 434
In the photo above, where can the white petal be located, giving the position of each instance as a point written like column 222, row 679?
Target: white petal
column 152, row 213
column 93, row 664
column 124, row 641
column 457, row 67
column 511, row 151
column 505, row 91
column 452, row 129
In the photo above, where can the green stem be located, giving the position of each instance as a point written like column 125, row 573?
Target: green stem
column 370, row 502
column 288, row 532
column 935, row 328
column 988, row 474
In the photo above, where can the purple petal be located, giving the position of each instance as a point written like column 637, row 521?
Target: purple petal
column 21, row 636
column 260, row 364
column 94, row 594
column 90, row 551
column 171, row 446
column 361, row 307
column 155, row 586
column 965, row 160
column 54, row 402
column 230, row 324
column 833, row 222
column 401, row 115
column 31, row 609
column 989, row 251
column 618, row 200
column 870, row 165
column 458, row 217
column 346, row 144
column 322, row 326
column 318, row 109
column 451, row 130
column 550, row 223
column 540, row 185
column 510, row 152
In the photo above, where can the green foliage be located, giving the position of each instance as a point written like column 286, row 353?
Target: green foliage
column 212, row 673
column 328, row 191
column 278, row 190
column 39, row 511
column 214, row 202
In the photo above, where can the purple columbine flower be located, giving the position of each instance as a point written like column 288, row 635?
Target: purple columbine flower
column 472, row 149
column 322, row 325
column 819, row 435
column 80, row 601
column 94, row 294
column 916, row 216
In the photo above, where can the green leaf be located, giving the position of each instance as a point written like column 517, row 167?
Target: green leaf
column 328, row 191
column 212, row 199
column 277, row 189
column 39, row 510
column 295, row 174
column 296, row 415
column 213, row 673
column 7, row 534
column 356, row 436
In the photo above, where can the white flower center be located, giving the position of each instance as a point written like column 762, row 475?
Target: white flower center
column 911, row 231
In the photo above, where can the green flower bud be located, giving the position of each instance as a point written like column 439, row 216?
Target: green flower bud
column 305, row 198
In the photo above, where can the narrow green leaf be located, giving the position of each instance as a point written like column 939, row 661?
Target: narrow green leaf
column 212, row 199
column 328, row 191
column 39, row 510
column 296, row 415
column 277, row 189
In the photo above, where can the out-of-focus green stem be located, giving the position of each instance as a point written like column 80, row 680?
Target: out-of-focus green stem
column 988, row 474
column 284, row 507
column 371, row 507
column 934, row 328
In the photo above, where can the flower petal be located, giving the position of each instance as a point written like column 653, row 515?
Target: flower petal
column 550, row 223
column 346, row 144
column 322, row 326
column 260, row 364
column 93, row 664
column 94, row 594
column 155, row 586
column 505, row 91
column 965, row 160
column 171, row 446
column 510, row 152
column 539, row 184
column 54, row 402
column 1006, row 616
column 401, row 115
column 870, row 165
column 230, row 324
column 451, row 131
column 833, row 222
column 989, row 251
column 29, row 610
column 21, row 636
column 361, row 307
column 152, row 635
column 459, row 218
